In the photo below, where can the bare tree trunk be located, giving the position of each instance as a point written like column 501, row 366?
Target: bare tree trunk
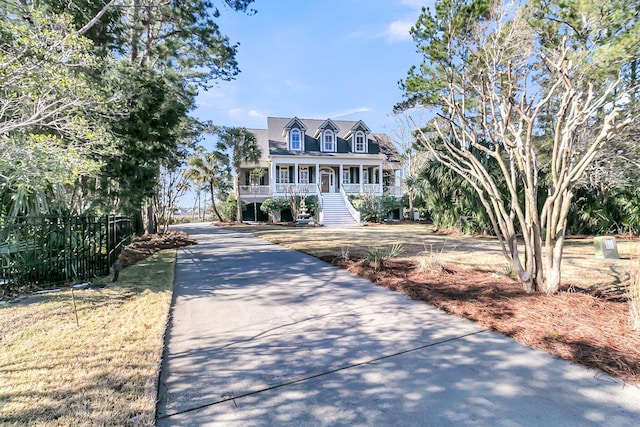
column 238, row 202
column 152, row 223
column 411, row 208
column 213, row 203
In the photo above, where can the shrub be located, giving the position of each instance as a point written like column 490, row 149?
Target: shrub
column 274, row 204
column 228, row 209
column 376, row 257
column 375, row 209
column 312, row 204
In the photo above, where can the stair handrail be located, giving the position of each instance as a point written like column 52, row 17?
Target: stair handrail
column 353, row 211
column 320, row 213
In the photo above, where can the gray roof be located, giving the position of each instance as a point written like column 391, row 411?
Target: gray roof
column 273, row 141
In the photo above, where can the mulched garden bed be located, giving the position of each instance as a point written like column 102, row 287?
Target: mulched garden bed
column 144, row 246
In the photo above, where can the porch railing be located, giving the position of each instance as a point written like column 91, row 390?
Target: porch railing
column 297, row 189
column 351, row 188
column 258, row 190
column 320, row 213
column 371, row 188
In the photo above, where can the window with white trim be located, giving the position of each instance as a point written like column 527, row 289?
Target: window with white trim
column 365, row 176
column 346, row 176
column 255, row 178
column 295, row 139
column 304, row 175
column 359, row 142
column 283, row 174
column 328, row 141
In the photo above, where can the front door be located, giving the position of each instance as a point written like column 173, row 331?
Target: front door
column 325, row 180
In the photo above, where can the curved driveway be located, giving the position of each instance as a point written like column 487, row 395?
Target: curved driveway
column 261, row 335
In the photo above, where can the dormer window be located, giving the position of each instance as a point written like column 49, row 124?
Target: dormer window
column 328, row 141
column 359, row 144
column 358, row 135
column 326, row 135
column 295, row 139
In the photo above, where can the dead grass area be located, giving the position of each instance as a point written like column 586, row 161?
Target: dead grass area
column 584, row 323
column 102, row 372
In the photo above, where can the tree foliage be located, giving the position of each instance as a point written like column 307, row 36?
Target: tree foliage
column 523, row 87
column 98, row 96
column 213, row 171
column 243, row 148
column 51, row 111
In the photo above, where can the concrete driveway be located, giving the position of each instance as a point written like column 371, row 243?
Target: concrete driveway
column 261, row 335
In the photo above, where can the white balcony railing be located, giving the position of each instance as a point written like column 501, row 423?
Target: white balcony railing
column 366, row 188
column 255, row 190
column 351, row 188
column 372, row 188
column 297, row 189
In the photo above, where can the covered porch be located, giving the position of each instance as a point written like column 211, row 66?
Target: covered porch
column 291, row 177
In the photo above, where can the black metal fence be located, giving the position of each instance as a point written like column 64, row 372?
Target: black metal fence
column 38, row 252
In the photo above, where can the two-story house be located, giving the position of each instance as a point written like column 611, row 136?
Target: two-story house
column 328, row 158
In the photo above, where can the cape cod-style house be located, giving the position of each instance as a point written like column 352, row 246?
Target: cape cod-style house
column 328, row 158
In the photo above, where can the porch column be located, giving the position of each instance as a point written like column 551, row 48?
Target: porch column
column 340, row 176
column 295, row 173
column 360, row 176
column 380, row 179
column 273, row 170
column 318, row 176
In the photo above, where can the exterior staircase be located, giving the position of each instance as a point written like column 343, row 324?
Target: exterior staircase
column 335, row 211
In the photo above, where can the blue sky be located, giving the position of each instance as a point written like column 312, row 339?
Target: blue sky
column 315, row 59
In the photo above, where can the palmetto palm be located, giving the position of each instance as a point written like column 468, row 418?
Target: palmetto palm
column 244, row 149
column 213, row 171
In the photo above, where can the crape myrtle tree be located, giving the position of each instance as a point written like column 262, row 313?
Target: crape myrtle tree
column 174, row 184
column 537, row 89
column 411, row 157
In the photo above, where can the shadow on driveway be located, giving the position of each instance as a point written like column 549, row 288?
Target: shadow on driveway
column 263, row 336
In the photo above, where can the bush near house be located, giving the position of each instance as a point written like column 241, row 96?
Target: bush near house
column 376, row 209
column 279, row 204
column 229, row 208
column 273, row 205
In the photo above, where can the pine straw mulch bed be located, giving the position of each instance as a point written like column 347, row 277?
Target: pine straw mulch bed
column 572, row 324
column 146, row 245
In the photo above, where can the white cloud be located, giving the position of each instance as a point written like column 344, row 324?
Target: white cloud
column 399, row 31
column 348, row 112
column 239, row 116
column 257, row 114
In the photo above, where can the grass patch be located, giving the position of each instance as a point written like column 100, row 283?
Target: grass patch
column 103, row 372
